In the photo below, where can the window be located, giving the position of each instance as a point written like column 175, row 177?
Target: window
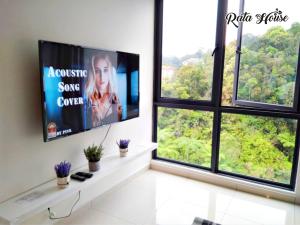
column 267, row 58
column 257, row 146
column 185, row 135
column 233, row 109
column 187, row 64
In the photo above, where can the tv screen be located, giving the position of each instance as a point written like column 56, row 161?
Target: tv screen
column 84, row 88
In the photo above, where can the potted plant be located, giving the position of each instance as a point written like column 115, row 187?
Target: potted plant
column 62, row 172
column 93, row 154
column 123, row 147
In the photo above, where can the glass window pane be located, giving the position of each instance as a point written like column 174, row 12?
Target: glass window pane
column 188, row 42
column 269, row 58
column 257, row 146
column 185, row 135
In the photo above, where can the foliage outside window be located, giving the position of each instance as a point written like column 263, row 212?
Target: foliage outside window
column 269, row 58
column 257, row 146
column 185, row 135
column 268, row 66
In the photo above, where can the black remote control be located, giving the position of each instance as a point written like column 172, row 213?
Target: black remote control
column 76, row 177
column 84, row 174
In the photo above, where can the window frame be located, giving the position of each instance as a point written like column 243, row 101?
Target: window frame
column 215, row 105
column 246, row 103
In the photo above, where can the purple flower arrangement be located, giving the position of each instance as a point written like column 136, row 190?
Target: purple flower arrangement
column 123, row 143
column 62, row 169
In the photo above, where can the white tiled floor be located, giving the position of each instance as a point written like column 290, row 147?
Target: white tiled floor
column 159, row 198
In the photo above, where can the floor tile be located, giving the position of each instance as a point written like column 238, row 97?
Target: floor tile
column 156, row 184
column 167, row 186
column 182, row 213
column 92, row 217
column 233, row 220
column 204, row 195
column 297, row 215
column 261, row 210
column 128, row 203
column 156, row 198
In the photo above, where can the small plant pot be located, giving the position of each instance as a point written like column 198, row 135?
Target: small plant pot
column 94, row 166
column 123, row 152
column 63, row 182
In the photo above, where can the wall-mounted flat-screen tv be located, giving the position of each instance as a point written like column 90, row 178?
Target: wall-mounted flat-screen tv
column 84, row 88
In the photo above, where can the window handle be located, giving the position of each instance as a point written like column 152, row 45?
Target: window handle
column 214, row 51
column 238, row 51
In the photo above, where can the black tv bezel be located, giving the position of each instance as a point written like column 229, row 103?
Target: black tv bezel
column 44, row 116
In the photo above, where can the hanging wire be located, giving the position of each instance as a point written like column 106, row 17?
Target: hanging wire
column 70, row 213
column 106, row 134
column 108, row 126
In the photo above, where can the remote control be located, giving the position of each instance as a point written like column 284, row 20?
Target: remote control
column 76, row 177
column 83, row 174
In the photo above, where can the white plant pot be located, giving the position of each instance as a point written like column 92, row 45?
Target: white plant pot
column 123, row 152
column 63, row 182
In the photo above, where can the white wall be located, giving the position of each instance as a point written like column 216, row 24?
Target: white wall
column 125, row 25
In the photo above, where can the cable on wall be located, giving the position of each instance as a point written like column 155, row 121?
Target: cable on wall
column 108, row 127
column 106, row 134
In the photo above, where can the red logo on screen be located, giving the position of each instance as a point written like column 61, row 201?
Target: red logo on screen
column 51, row 128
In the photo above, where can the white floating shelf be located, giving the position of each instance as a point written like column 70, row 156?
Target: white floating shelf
column 18, row 208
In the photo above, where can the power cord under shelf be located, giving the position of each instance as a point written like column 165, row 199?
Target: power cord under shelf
column 52, row 216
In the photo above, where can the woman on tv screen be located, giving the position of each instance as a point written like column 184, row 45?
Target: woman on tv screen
column 101, row 91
